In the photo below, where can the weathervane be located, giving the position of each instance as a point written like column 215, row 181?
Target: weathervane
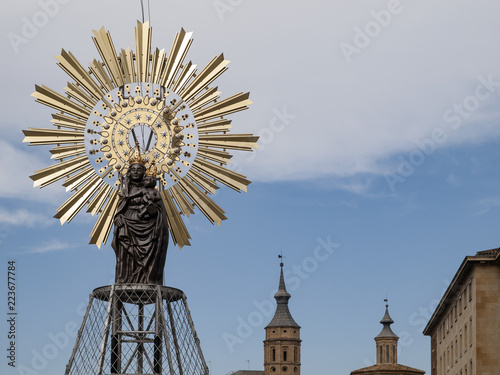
column 281, row 257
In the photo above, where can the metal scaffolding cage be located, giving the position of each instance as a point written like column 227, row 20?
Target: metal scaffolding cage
column 137, row 329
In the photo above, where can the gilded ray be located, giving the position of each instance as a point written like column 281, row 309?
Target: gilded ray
column 186, row 73
column 79, row 178
column 75, row 70
column 96, row 204
column 178, row 230
column 102, row 227
column 208, row 207
column 142, row 50
column 101, row 75
column 213, row 69
column 36, row 136
column 243, row 142
column 127, row 61
column 216, row 126
column 80, row 95
column 104, row 44
column 210, row 95
column 57, row 101
column 181, row 200
column 65, row 121
column 222, row 160
column 75, row 203
column 235, row 103
column 202, row 181
column 157, row 61
column 63, row 152
column 48, row 175
column 219, row 156
column 229, row 178
column 176, row 56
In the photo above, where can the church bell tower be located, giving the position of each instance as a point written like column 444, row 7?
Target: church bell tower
column 282, row 343
column 387, row 353
column 387, row 341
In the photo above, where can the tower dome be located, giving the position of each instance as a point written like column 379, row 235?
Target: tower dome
column 387, row 352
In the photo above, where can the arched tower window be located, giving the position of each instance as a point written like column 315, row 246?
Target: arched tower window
column 381, row 358
column 284, row 355
column 274, row 354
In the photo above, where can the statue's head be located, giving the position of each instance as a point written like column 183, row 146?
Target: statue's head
column 136, row 172
column 137, row 163
column 149, row 181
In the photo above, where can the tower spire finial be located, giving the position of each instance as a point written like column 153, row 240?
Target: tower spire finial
column 282, row 317
column 387, row 340
column 386, row 322
column 280, row 256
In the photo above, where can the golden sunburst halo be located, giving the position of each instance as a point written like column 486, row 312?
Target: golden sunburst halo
column 155, row 100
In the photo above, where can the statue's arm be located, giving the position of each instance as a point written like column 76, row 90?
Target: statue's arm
column 135, row 195
column 151, row 205
column 122, row 206
column 119, row 220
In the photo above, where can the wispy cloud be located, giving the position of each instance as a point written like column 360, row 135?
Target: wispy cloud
column 485, row 205
column 17, row 164
column 48, row 247
column 453, row 180
column 354, row 185
column 355, row 118
column 23, row 217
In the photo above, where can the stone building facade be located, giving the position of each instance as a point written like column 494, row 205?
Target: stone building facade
column 465, row 327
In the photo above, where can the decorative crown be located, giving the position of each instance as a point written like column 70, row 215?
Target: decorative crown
column 152, row 171
column 136, row 157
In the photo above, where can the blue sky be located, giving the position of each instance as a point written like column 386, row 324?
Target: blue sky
column 377, row 172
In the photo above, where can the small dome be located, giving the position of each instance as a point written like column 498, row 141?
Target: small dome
column 387, row 321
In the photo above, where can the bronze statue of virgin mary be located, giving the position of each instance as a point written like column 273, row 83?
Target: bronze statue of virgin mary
column 140, row 237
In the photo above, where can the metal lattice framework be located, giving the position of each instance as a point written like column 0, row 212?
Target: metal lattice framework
column 137, row 329
column 152, row 99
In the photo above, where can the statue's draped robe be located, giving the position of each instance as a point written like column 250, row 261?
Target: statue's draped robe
column 141, row 243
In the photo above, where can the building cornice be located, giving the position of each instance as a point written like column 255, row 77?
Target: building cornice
column 456, row 285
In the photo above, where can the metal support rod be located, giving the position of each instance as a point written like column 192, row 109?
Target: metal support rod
column 78, row 338
column 125, row 314
column 140, row 348
column 166, row 339
column 116, row 337
column 174, row 335
column 197, row 340
column 131, row 358
column 158, row 365
column 107, row 324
